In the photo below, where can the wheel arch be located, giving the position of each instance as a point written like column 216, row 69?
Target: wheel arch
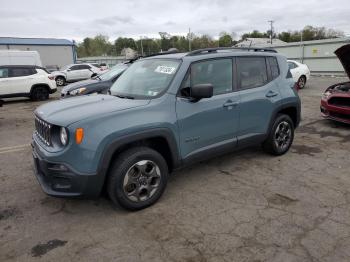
column 160, row 139
column 39, row 85
column 291, row 109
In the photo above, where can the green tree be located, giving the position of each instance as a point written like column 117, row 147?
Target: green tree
column 225, row 40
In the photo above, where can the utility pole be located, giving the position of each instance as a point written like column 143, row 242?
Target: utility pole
column 271, row 30
column 189, row 39
column 141, row 46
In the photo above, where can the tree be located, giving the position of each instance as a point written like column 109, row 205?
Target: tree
column 225, row 40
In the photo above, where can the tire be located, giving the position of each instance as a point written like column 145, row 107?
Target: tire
column 60, row 81
column 39, row 93
column 280, row 137
column 302, row 82
column 137, row 179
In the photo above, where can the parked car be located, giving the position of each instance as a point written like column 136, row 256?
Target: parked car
column 26, row 81
column 164, row 112
column 300, row 73
column 52, row 68
column 102, row 66
column 335, row 102
column 17, row 57
column 99, row 84
column 75, row 72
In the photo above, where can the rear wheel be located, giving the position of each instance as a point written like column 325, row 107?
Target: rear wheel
column 281, row 136
column 39, row 93
column 60, row 81
column 138, row 178
column 302, row 82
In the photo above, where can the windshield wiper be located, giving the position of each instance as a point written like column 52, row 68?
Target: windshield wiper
column 123, row 96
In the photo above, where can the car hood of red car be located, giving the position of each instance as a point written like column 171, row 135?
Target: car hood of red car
column 343, row 53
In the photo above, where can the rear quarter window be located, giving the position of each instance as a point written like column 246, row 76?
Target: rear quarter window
column 4, row 72
column 274, row 69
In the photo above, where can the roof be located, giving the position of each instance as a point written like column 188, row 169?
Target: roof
column 35, row 41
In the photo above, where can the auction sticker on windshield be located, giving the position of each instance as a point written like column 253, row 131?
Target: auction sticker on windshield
column 165, row 70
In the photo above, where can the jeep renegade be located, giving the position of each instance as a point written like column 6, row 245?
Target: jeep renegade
column 164, row 112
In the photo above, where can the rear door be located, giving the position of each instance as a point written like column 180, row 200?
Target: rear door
column 259, row 95
column 210, row 122
column 85, row 71
column 20, row 79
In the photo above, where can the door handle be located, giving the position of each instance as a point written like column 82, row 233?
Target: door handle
column 230, row 103
column 271, row 94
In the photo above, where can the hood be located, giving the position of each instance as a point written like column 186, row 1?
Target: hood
column 68, row 111
column 343, row 53
column 79, row 84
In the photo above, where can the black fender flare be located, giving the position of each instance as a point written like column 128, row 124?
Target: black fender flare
column 282, row 107
column 39, row 84
column 111, row 148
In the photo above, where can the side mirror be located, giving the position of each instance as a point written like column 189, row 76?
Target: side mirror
column 69, row 69
column 201, row 91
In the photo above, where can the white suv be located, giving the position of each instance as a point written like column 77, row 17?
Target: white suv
column 75, row 72
column 26, row 81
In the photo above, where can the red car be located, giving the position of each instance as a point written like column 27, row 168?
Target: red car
column 335, row 102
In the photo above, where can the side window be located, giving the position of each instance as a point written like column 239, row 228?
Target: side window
column 4, row 73
column 18, row 72
column 84, row 67
column 217, row 72
column 251, row 71
column 75, row 67
column 291, row 65
column 275, row 71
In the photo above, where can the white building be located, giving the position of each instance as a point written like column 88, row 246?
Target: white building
column 53, row 52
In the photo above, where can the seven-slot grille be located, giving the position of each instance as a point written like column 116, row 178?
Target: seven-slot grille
column 43, row 130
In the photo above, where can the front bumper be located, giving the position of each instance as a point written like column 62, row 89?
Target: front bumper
column 59, row 180
column 336, row 113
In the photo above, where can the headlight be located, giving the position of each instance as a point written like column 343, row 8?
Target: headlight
column 326, row 95
column 63, row 136
column 77, row 91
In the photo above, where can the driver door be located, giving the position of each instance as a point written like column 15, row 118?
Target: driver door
column 210, row 123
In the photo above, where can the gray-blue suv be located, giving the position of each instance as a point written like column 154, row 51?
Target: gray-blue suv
column 163, row 113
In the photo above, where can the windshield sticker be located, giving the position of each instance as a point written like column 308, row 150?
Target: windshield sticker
column 165, row 70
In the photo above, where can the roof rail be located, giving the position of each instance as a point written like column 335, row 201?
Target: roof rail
column 215, row 49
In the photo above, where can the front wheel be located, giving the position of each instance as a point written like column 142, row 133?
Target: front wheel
column 281, row 136
column 60, row 81
column 137, row 178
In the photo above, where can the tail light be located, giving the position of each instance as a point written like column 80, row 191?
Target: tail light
column 51, row 77
column 296, row 87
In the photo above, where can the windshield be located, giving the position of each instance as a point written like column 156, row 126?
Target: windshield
column 146, row 78
column 64, row 67
column 115, row 70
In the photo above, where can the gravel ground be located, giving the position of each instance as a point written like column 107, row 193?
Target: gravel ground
column 246, row 206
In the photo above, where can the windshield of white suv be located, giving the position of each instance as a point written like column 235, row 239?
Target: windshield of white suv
column 115, row 70
column 64, row 67
column 145, row 78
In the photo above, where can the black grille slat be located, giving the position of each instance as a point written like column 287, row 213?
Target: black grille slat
column 43, row 130
column 339, row 101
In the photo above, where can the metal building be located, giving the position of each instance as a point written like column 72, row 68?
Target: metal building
column 53, row 52
column 318, row 54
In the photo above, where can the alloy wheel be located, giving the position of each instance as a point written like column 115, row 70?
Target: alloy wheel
column 142, row 180
column 283, row 135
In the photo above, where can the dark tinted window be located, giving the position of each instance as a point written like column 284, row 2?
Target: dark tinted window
column 84, row 67
column 4, row 72
column 18, row 72
column 275, row 71
column 75, row 67
column 217, row 72
column 252, row 71
column 291, row 65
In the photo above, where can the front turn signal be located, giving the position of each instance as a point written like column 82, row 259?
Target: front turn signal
column 79, row 135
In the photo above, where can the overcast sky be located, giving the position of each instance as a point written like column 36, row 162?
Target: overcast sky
column 76, row 19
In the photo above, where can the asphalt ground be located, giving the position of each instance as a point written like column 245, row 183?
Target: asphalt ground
column 244, row 206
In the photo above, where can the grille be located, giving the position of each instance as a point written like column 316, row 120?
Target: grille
column 43, row 130
column 339, row 101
